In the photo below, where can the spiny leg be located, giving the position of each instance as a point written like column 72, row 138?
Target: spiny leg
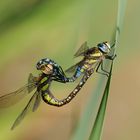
column 112, row 57
column 104, row 72
column 102, row 68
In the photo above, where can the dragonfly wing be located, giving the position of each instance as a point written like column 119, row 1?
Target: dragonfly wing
column 14, row 97
column 37, row 101
column 31, row 82
column 81, row 50
column 28, row 107
column 73, row 68
column 39, row 93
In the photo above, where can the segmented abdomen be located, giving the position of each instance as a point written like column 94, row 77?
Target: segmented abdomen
column 51, row 100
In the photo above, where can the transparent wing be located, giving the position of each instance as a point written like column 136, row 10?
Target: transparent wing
column 31, row 83
column 81, row 50
column 39, row 93
column 37, row 102
column 73, row 68
column 13, row 97
column 31, row 104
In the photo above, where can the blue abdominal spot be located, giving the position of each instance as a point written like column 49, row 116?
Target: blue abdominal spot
column 78, row 72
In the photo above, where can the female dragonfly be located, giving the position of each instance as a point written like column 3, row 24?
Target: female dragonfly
column 49, row 71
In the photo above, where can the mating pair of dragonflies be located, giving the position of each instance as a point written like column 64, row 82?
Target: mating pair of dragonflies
column 50, row 71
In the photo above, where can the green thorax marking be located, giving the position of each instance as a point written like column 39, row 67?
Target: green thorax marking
column 96, row 54
column 92, row 59
column 45, row 86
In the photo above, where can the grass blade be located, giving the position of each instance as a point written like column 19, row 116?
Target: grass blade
column 91, row 123
column 120, row 18
column 97, row 127
column 89, row 115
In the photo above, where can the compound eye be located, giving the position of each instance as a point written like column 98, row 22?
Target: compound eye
column 104, row 46
column 42, row 67
column 49, row 66
column 107, row 44
column 100, row 45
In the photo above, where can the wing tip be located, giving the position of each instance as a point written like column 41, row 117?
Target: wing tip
column 12, row 127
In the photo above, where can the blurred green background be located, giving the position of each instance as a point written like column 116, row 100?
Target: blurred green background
column 35, row 29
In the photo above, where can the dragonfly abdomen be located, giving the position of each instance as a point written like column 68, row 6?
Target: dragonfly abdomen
column 51, row 100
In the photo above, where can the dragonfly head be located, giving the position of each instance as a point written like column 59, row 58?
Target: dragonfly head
column 104, row 47
column 45, row 66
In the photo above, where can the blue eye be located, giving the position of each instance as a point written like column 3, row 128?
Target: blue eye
column 102, row 47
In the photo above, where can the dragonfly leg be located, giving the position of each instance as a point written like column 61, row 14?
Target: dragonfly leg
column 106, row 73
column 102, row 68
column 112, row 57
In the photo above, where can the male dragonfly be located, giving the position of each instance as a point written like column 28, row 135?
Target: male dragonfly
column 92, row 59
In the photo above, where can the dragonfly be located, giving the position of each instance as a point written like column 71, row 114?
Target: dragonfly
column 50, row 71
column 93, row 59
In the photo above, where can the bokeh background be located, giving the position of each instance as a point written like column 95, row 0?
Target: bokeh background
column 35, row 29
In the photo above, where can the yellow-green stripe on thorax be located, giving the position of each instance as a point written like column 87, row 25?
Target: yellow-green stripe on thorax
column 45, row 86
column 92, row 59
